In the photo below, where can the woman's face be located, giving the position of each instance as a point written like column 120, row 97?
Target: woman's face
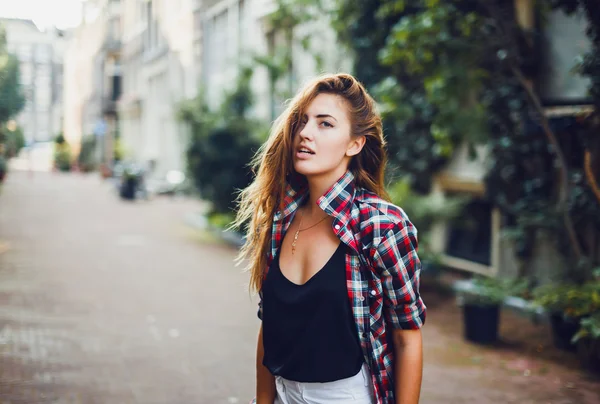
column 323, row 145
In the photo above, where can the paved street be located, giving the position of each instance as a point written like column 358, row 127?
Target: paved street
column 103, row 301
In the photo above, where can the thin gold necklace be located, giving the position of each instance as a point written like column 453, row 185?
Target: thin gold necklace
column 299, row 230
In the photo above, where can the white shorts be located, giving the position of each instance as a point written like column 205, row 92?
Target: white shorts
column 355, row 389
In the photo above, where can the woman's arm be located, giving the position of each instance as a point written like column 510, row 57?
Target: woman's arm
column 399, row 269
column 265, row 382
column 408, row 368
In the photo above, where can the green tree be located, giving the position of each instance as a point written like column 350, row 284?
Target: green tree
column 418, row 59
column 222, row 144
column 12, row 99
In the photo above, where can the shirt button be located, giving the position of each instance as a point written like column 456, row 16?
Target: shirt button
column 362, row 298
column 364, row 334
column 373, row 293
column 337, row 226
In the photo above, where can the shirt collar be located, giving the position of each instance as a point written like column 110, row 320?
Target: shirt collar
column 336, row 202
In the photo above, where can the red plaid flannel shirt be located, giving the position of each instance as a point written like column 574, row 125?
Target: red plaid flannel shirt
column 382, row 269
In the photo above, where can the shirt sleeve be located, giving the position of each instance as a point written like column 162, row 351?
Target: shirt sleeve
column 399, row 267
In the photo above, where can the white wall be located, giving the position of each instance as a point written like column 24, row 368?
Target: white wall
column 233, row 31
column 39, row 53
column 155, row 80
column 82, row 86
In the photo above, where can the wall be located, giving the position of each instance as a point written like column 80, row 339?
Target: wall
column 40, row 54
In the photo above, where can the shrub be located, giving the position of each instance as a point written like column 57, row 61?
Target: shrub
column 15, row 141
column 87, row 159
column 60, row 139
column 570, row 299
column 222, row 145
column 62, row 156
column 3, row 167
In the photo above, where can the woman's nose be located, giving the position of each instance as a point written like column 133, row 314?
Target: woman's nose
column 306, row 131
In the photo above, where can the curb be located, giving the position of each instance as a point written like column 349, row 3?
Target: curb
column 198, row 221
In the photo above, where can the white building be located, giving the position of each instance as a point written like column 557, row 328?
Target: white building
column 158, row 73
column 171, row 49
column 40, row 54
column 229, row 33
column 92, row 65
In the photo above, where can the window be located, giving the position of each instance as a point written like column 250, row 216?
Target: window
column 115, row 87
column 42, row 53
column 215, row 56
column 563, row 39
column 470, row 235
column 26, row 76
column 114, row 28
column 278, row 42
column 24, row 52
column 149, row 25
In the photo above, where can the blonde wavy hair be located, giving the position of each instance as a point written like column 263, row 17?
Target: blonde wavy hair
column 273, row 163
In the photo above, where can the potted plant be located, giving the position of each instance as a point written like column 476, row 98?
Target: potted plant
column 587, row 340
column 481, row 306
column 131, row 180
column 567, row 304
column 3, row 168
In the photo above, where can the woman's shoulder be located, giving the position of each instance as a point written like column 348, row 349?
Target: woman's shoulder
column 377, row 212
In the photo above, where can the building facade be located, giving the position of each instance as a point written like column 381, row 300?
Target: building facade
column 232, row 33
column 40, row 55
column 158, row 73
column 92, row 64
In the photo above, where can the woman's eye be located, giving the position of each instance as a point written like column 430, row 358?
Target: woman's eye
column 327, row 124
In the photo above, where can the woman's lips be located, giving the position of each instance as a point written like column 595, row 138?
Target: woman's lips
column 303, row 155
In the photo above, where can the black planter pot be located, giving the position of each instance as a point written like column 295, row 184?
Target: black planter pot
column 588, row 351
column 481, row 323
column 128, row 188
column 563, row 330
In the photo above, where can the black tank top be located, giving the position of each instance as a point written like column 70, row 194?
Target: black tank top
column 309, row 332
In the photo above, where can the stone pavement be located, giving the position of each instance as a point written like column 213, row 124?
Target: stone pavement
column 103, row 301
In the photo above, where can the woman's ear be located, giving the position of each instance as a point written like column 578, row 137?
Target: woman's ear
column 356, row 145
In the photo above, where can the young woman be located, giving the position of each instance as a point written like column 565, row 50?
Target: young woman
column 334, row 262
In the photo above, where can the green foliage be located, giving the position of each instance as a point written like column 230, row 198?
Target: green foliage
column 222, row 144
column 119, row 150
column 524, row 166
column 221, row 220
column 448, row 72
column 12, row 98
column 3, row 167
column 87, row 157
column 589, row 328
column 63, row 159
column 572, row 300
column 63, row 156
column 425, row 211
column 438, row 45
column 60, row 139
column 422, row 62
column 14, row 141
column 493, row 291
column 281, row 25
column 288, row 14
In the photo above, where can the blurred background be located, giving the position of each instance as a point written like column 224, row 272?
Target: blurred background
column 126, row 128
